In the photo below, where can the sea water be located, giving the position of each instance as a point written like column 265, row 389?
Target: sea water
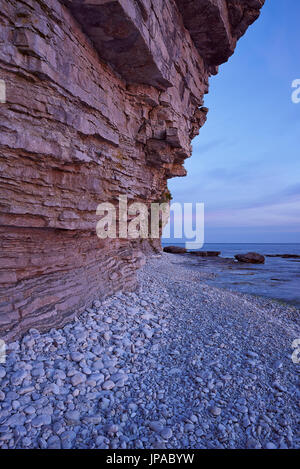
column 278, row 278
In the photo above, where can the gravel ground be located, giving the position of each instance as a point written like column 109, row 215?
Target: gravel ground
column 178, row 364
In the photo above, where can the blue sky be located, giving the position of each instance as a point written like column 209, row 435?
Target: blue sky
column 245, row 165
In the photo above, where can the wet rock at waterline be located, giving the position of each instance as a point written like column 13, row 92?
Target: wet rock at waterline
column 250, row 258
column 175, row 250
column 206, row 253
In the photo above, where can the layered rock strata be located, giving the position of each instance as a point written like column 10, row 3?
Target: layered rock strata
column 103, row 98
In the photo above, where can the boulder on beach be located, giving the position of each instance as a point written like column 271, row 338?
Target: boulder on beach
column 206, row 253
column 174, row 249
column 251, row 258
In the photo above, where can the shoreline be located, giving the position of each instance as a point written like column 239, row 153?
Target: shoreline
column 277, row 274
column 177, row 364
column 291, row 306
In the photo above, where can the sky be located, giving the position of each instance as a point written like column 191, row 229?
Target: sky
column 245, row 164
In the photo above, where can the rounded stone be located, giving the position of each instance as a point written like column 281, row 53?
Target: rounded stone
column 215, row 411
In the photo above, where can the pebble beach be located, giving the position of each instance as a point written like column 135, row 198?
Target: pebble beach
column 176, row 364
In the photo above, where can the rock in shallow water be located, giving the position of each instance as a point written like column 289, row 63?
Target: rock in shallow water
column 175, row 249
column 205, row 253
column 250, row 258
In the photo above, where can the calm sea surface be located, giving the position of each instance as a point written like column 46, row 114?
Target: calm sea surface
column 278, row 278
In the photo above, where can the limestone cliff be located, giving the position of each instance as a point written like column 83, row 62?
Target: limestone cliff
column 103, row 98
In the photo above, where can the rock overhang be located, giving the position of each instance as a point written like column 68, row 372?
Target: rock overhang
column 120, row 30
column 86, row 120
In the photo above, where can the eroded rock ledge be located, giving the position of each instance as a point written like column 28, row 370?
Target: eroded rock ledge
column 103, row 99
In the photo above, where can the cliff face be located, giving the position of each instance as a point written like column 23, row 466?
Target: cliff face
column 103, row 98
